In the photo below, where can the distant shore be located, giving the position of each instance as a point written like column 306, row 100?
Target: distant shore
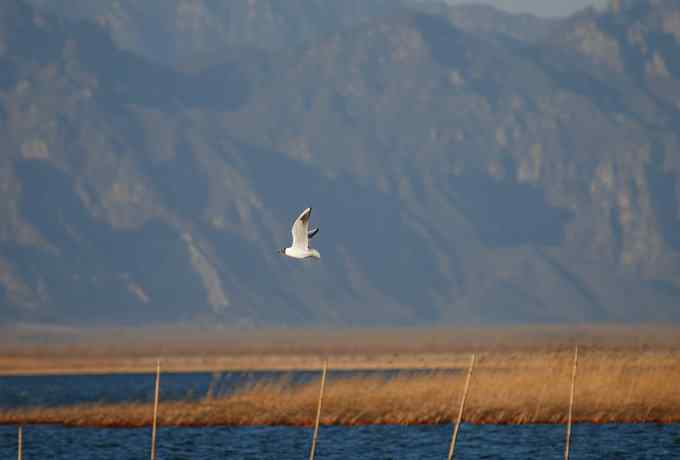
column 45, row 350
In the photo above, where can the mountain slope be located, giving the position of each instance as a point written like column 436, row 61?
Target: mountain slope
column 557, row 171
column 457, row 176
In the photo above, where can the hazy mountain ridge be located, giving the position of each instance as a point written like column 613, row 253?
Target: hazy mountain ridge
column 182, row 33
column 489, row 21
column 524, row 180
column 187, row 34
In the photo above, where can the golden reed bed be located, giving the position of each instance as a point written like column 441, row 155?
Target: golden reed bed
column 507, row 387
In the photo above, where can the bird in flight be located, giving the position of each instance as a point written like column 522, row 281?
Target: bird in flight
column 301, row 235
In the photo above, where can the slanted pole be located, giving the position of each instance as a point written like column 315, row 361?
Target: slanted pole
column 312, row 452
column 571, row 405
column 20, row 443
column 454, row 436
column 155, row 409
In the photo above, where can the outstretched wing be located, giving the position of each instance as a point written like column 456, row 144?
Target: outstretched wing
column 300, row 230
column 311, row 233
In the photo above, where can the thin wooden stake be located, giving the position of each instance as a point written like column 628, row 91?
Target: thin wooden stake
column 20, row 443
column 454, row 436
column 312, row 452
column 571, row 405
column 155, row 410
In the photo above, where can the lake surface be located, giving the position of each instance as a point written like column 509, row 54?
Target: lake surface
column 374, row 442
column 24, row 391
column 647, row 441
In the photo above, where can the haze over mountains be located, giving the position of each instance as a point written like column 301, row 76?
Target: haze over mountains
column 544, row 8
column 465, row 165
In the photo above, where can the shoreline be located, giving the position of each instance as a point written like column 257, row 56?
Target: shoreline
column 57, row 364
column 12, row 366
column 25, row 421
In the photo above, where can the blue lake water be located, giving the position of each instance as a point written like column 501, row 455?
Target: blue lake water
column 373, row 442
column 23, row 391
column 72, row 389
column 645, row 441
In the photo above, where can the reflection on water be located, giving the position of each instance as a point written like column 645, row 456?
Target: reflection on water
column 372, row 442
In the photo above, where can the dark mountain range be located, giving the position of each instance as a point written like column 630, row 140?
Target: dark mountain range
column 465, row 169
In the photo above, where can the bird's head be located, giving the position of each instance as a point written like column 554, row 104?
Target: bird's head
column 281, row 251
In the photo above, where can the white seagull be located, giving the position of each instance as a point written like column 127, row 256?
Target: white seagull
column 301, row 235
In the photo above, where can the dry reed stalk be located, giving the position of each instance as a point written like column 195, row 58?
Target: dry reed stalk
column 312, row 451
column 571, row 405
column 539, row 403
column 506, row 390
column 452, row 447
column 20, row 443
column 155, row 410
